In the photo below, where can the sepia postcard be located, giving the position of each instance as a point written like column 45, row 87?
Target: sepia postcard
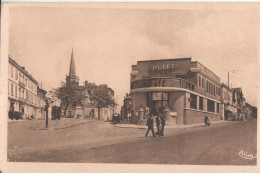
column 129, row 87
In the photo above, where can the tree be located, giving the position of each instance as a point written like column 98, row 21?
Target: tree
column 100, row 97
column 68, row 94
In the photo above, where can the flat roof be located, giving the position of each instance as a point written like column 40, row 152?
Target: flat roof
column 173, row 59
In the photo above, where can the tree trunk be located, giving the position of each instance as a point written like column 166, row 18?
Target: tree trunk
column 99, row 113
column 65, row 111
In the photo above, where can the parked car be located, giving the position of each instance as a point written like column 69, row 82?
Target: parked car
column 116, row 117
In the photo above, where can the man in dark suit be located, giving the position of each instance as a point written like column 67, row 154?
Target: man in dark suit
column 163, row 124
column 150, row 126
column 158, row 122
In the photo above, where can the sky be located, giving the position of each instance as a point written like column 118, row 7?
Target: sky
column 107, row 41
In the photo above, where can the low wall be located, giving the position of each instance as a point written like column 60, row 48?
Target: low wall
column 193, row 116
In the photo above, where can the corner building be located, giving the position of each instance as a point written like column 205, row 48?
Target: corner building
column 188, row 89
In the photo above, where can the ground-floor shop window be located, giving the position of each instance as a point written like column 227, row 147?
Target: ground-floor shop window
column 201, row 104
column 211, row 106
column 193, row 101
column 217, row 107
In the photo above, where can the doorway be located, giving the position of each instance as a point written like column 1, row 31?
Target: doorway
column 157, row 101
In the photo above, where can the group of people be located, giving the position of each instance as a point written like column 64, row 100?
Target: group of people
column 160, row 123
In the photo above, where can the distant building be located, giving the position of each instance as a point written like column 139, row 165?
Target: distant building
column 187, row 88
column 41, row 98
column 126, row 108
column 239, row 102
column 22, row 91
column 229, row 110
column 86, row 108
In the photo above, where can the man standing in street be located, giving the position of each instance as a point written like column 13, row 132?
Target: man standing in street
column 158, row 122
column 150, row 126
column 163, row 124
column 206, row 120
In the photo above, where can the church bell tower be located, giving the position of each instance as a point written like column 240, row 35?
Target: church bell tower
column 72, row 78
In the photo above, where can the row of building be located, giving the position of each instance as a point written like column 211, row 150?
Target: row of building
column 183, row 89
column 27, row 100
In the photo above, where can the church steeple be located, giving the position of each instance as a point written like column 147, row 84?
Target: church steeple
column 72, row 65
column 72, row 78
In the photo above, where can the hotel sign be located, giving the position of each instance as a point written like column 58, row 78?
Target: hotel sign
column 163, row 69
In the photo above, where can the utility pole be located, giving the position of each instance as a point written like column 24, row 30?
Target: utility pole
column 228, row 79
column 228, row 75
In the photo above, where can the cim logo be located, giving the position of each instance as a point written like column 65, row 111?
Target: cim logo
column 245, row 155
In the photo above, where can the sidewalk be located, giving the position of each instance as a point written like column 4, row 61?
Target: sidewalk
column 167, row 126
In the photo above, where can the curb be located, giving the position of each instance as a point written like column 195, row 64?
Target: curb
column 167, row 127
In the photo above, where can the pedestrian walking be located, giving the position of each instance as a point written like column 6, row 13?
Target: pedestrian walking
column 150, row 126
column 163, row 124
column 158, row 123
column 206, row 120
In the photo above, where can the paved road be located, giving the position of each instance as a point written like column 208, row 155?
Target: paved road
column 219, row 144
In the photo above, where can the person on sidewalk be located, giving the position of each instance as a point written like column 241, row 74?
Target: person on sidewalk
column 163, row 124
column 150, row 126
column 158, row 122
column 206, row 120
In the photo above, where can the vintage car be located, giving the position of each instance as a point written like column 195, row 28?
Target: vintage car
column 116, row 117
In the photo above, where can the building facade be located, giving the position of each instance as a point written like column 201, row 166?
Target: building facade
column 188, row 89
column 126, row 108
column 22, row 91
column 229, row 111
column 41, row 102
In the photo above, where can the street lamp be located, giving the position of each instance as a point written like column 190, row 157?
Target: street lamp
column 233, row 71
column 46, row 109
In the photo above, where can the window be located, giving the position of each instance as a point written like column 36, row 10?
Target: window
column 199, row 81
column 217, row 107
column 193, row 101
column 214, row 90
column 211, row 106
column 16, row 73
column 20, row 93
column 12, row 89
column 201, row 104
column 207, row 86
column 23, row 94
column 12, row 71
column 202, row 82
column 165, row 99
column 16, row 91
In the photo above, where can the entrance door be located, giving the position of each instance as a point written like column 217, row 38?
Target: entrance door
column 159, row 100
